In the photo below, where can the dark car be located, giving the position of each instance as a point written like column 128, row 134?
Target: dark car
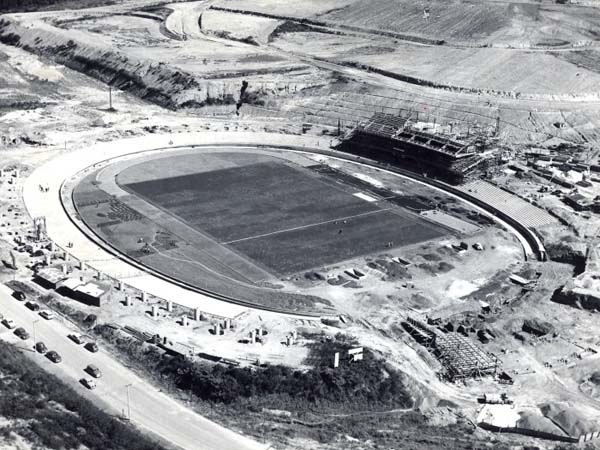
column 19, row 296
column 93, row 371
column 33, row 306
column 40, row 347
column 92, row 347
column 53, row 356
column 22, row 333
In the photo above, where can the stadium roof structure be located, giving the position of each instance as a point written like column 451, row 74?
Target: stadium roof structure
column 394, row 127
column 385, row 125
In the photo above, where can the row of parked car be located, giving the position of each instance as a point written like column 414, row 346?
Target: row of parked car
column 41, row 347
column 35, row 307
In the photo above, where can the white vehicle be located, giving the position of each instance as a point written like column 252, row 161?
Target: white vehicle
column 77, row 338
column 48, row 315
column 9, row 323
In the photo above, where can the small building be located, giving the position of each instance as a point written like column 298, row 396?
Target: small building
column 92, row 293
column 584, row 183
column 49, row 277
column 578, row 202
column 68, row 285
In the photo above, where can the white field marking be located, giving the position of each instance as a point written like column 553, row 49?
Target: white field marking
column 305, row 226
column 365, row 197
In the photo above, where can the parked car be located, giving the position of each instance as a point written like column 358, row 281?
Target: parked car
column 92, row 347
column 22, row 333
column 48, row 315
column 77, row 338
column 93, row 371
column 9, row 323
column 88, row 383
column 54, row 356
column 19, row 296
column 40, row 347
column 33, row 306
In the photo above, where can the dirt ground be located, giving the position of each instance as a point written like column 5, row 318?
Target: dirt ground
column 47, row 109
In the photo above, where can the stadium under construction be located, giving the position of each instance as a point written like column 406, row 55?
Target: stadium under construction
column 396, row 140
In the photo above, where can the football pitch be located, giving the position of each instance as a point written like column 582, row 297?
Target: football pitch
column 284, row 218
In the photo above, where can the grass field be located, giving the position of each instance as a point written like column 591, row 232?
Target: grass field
column 285, row 218
column 322, row 245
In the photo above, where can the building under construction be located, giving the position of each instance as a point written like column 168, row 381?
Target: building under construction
column 389, row 138
column 459, row 356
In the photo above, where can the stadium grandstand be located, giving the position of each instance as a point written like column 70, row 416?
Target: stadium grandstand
column 392, row 139
column 527, row 214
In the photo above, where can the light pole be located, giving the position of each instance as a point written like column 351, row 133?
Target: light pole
column 128, row 402
column 34, row 342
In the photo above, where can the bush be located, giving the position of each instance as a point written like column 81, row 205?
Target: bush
column 366, row 384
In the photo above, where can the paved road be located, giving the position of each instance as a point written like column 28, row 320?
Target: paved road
column 150, row 409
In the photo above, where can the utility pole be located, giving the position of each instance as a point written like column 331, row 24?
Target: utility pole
column 128, row 402
column 34, row 341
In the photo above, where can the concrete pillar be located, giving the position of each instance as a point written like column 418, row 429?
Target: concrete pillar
column 184, row 321
column 81, row 265
column 51, row 246
column 155, row 311
column 289, row 340
column 47, row 259
column 121, row 286
column 169, row 306
column 197, row 314
column 295, row 334
column 99, row 275
column 260, row 331
column 66, row 256
column 65, row 269
column 128, row 301
column 227, row 324
column 336, row 359
column 216, row 329
column 144, row 296
column 253, row 336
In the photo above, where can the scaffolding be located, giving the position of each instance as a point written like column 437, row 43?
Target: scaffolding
column 462, row 358
column 459, row 356
column 420, row 332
